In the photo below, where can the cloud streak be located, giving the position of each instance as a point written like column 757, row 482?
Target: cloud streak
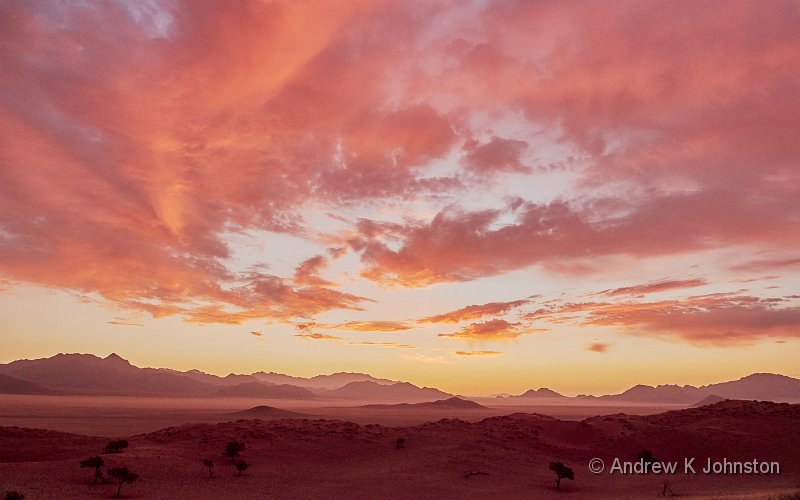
column 473, row 312
column 495, row 329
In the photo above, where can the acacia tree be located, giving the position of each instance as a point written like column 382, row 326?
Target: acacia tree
column 233, row 449
column 242, row 466
column 14, row 495
column 210, row 464
column 562, row 472
column 123, row 475
column 116, row 446
column 95, row 463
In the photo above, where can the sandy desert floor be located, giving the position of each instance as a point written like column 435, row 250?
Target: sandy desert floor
column 494, row 457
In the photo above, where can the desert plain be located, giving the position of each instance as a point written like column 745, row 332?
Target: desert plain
column 347, row 449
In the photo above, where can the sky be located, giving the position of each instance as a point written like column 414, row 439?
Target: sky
column 481, row 196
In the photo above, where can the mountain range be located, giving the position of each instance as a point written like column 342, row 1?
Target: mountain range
column 87, row 374
column 758, row 386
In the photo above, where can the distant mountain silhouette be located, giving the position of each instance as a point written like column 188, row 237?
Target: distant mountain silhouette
column 267, row 391
column 454, row 403
column 401, row 391
column 660, row 394
column 332, row 381
column 11, row 385
column 87, row 374
column 759, row 386
column 215, row 380
column 542, row 392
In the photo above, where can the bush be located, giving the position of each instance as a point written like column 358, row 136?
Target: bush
column 233, row 449
column 116, row 446
column 242, row 466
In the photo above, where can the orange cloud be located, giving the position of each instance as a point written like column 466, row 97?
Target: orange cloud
column 384, row 344
column 307, row 273
column 478, row 353
column 256, row 334
column 474, row 312
column 597, row 347
column 317, row 336
column 369, row 326
column 496, row 329
column 123, row 323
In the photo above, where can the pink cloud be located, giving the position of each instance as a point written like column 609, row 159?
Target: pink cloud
column 497, row 155
column 708, row 320
column 655, row 287
column 474, row 312
column 131, row 144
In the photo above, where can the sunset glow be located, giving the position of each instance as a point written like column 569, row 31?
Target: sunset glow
column 483, row 197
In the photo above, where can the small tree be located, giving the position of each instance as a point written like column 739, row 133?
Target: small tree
column 400, row 443
column 123, row 475
column 646, row 456
column 14, row 495
column 562, row 472
column 233, row 449
column 116, row 446
column 210, row 464
column 94, row 463
column 242, row 466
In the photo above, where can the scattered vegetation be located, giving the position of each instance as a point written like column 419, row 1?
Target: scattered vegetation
column 94, row 463
column 233, row 449
column 14, row 495
column 210, row 464
column 242, row 466
column 116, row 446
column 562, row 472
column 123, row 475
column 400, row 443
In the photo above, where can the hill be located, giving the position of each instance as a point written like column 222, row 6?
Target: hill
column 266, row 413
column 401, row 391
column 454, row 403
